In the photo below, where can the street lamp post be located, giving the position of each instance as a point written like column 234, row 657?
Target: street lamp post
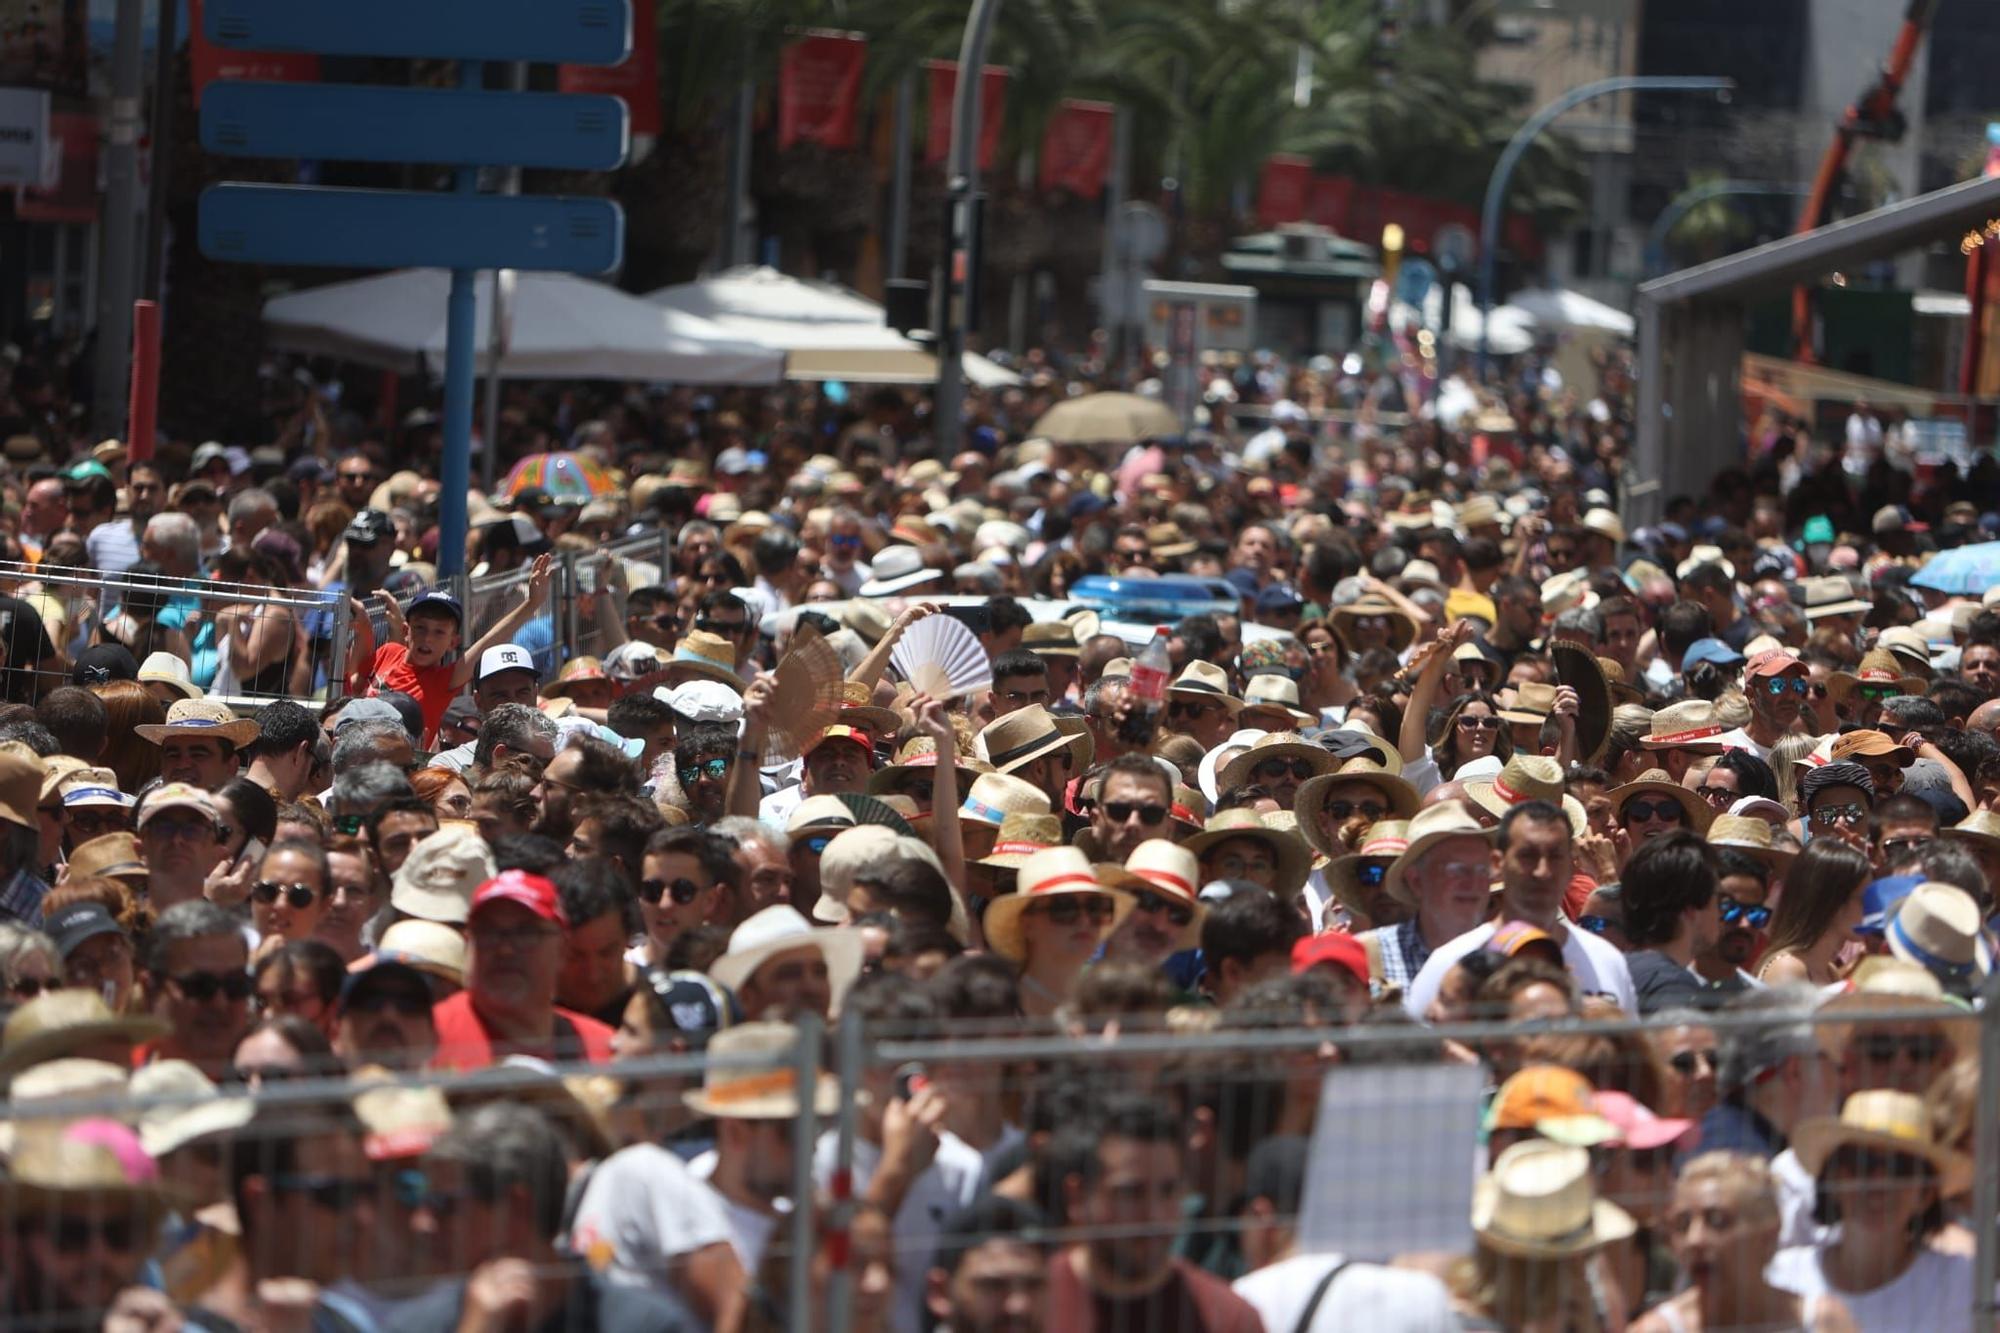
column 1503, row 170
column 961, row 256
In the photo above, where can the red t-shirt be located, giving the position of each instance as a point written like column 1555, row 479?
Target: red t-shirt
column 464, row 1043
column 431, row 687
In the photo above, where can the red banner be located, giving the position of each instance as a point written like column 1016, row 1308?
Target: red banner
column 73, row 198
column 1076, row 149
column 209, row 62
column 1281, row 194
column 1359, row 212
column 635, row 80
column 992, row 108
column 819, row 90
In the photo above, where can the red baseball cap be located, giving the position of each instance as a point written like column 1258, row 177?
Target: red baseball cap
column 1772, row 662
column 533, row 892
column 1335, row 947
column 843, row 732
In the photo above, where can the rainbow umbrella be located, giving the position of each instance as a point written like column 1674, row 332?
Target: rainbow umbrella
column 565, row 476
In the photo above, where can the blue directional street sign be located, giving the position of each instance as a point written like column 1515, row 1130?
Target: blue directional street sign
column 576, row 32
column 451, row 127
column 303, row 224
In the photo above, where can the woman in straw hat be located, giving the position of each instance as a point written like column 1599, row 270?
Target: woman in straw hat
column 1472, row 727
column 1053, row 924
column 1538, row 1221
column 1723, row 1226
column 1881, row 1178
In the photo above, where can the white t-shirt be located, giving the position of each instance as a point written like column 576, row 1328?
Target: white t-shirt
column 953, row 1180
column 1739, row 739
column 1381, row 1300
column 749, row 1228
column 1797, row 1191
column 1934, row 1294
column 641, row 1210
column 776, row 809
column 1598, row 967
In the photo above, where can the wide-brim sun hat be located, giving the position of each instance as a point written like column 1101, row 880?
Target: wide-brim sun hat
column 780, row 929
column 1431, row 826
column 1886, row 1121
column 201, row 717
column 1278, row 745
column 752, row 1074
column 1540, row 1202
column 1314, row 793
column 1292, row 856
column 1696, row 813
column 1056, row 872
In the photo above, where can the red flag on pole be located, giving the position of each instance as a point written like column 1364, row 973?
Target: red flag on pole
column 635, row 80
column 1076, row 149
column 209, row 62
column 819, row 90
column 1281, row 194
column 992, row 109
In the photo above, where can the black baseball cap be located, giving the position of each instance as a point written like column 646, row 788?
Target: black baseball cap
column 369, row 527
column 79, row 922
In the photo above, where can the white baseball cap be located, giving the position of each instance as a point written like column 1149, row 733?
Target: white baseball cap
column 703, row 701
column 505, row 657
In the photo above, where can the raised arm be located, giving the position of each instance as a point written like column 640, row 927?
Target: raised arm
column 935, row 721
column 745, row 790
column 532, row 599
column 1430, row 663
column 871, row 667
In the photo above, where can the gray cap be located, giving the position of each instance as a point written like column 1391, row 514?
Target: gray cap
column 367, row 710
column 1777, row 1026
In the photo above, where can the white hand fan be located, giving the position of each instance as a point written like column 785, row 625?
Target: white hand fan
column 940, row 657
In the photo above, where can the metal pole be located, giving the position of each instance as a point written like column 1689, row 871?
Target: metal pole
column 805, row 1134
column 851, row 1056
column 1986, row 1160
column 1503, row 170
column 164, row 87
column 1687, row 201
column 461, row 337
column 736, row 217
column 120, row 256
column 962, row 173
column 489, row 457
column 899, row 180
column 1113, row 297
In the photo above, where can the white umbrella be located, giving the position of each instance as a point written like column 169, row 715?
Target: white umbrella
column 1561, row 308
column 560, row 327
column 1509, row 333
column 825, row 331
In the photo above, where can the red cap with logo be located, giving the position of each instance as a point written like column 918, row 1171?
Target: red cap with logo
column 533, row 892
column 1771, row 662
column 1335, row 948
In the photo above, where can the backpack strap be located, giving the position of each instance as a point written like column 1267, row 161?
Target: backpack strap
column 1319, row 1294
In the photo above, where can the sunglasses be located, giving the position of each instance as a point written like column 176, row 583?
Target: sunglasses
column 29, row 987
column 816, row 844
column 1817, row 689
column 841, row 542
column 1787, row 684
column 1883, row 1048
column 1278, row 768
column 1152, row 904
column 1121, row 811
column 201, row 987
column 1636, row 811
column 682, row 891
column 1850, row 814
column 298, row 897
column 413, row 1191
column 1371, row 810
column 336, row 1194
column 73, row 1235
column 1182, row 708
column 1370, row 874
column 1070, row 908
column 1686, row 1062
column 1860, row 1161
column 1895, row 849
column 1598, row 925
column 1478, row 723
column 713, row 769
column 1716, row 796
column 348, row 824
column 1880, row 692
column 1733, row 913
column 711, row 625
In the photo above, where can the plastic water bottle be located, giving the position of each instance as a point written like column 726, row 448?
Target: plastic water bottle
column 1149, row 689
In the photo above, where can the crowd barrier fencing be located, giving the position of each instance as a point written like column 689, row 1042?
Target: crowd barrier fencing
column 1392, row 1166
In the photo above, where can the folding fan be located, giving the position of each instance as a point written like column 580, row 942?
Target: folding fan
column 940, row 657
column 806, row 698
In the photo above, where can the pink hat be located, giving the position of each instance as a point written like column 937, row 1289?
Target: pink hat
column 1335, row 948
column 533, row 892
column 1638, row 1128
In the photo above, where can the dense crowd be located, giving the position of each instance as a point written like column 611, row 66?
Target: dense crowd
column 1455, row 766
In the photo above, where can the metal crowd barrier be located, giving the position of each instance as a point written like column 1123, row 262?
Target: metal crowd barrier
column 1394, row 1135
column 204, row 614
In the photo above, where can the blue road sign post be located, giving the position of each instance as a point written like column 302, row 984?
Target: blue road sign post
column 466, row 128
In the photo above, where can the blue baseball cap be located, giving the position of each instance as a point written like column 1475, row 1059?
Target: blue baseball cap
column 1879, row 899
column 1710, row 650
column 433, row 599
column 1278, row 597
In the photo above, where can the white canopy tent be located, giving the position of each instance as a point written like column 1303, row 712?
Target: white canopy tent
column 1511, row 332
column 825, row 331
column 558, row 326
column 1562, row 310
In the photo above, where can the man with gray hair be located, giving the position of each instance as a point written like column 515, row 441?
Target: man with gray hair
column 497, row 1182
column 197, row 964
column 371, row 741
column 365, row 788
column 250, row 512
column 508, row 729
column 763, row 861
column 173, row 542
column 1772, row 1073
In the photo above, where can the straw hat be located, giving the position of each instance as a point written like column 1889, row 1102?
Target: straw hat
column 1169, row 870
column 1752, row 837
column 1288, row 850
column 93, row 1168
column 1696, row 813
column 1524, row 778
column 1888, row 1121
column 58, row 767
column 752, row 1074
column 1051, row 638
column 575, row 670
column 1907, row 645
column 1431, row 826
column 1540, row 1202
column 1054, row 873
column 1314, row 793
column 438, row 878
column 1168, row 542
column 70, row 1079
column 1402, row 630
column 917, row 755
column 850, row 852
column 1020, row 837
column 1981, row 827
column 1691, row 724
column 896, row 568
column 1937, row 927
column 1027, row 734
column 1605, row 523
column 61, row 1023
column 1385, row 840
column 780, row 929
column 1279, row 745
column 1207, row 773
column 994, row 796
column 1207, row 682
column 1533, row 703
column 194, row 1107
column 1879, row 668
column 399, row 1122
column 858, row 709
column 705, row 655
column 1566, row 592
column 430, row 947
column 201, row 717
column 1832, row 597
column 1278, row 694
column 110, row 855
